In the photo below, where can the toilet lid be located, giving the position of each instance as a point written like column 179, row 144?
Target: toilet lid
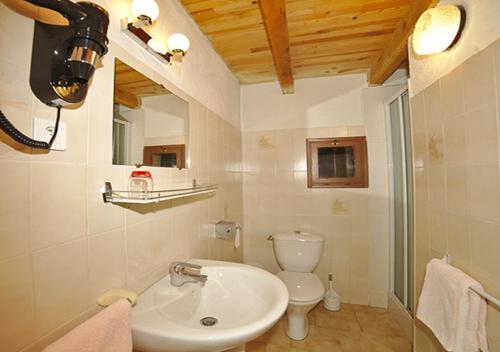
column 302, row 287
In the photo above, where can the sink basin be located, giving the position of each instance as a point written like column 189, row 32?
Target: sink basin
column 245, row 302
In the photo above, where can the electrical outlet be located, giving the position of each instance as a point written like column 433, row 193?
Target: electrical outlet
column 44, row 129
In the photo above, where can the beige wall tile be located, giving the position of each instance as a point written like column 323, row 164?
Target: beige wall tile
column 433, row 105
column 14, row 209
column 417, row 113
column 454, row 141
column 60, row 294
column 278, row 200
column 485, row 246
column 56, row 219
column 481, row 136
column 438, row 231
column 437, row 187
column 102, row 216
column 452, row 90
column 459, row 241
column 16, row 304
column 456, row 189
column 479, row 80
column 472, row 217
column 484, row 192
column 139, row 251
column 107, row 262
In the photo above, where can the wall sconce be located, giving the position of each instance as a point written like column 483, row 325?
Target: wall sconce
column 438, row 29
column 145, row 12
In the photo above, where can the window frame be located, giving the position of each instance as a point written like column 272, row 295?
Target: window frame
column 360, row 178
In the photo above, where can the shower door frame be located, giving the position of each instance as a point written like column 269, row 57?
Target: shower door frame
column 402, row 306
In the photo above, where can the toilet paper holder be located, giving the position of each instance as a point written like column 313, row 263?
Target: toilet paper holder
column 226, row 230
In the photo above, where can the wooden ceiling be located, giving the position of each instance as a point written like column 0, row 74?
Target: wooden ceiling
column 323, row 37
column 131, row 86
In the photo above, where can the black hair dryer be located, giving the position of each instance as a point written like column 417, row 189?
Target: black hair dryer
column 64, row 58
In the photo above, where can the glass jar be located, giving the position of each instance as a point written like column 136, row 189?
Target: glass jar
column 140, row 184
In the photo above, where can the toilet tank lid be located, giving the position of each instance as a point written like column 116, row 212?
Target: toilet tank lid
column 303, row 237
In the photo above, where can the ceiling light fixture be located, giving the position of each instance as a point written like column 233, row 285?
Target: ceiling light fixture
column 438, row 29
column 145, row 12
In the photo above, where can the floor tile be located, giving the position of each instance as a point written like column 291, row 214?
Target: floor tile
column 355, row 328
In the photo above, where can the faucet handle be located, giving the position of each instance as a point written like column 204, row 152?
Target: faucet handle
column 177, row 266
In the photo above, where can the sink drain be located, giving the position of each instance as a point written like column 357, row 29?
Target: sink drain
column 208, row 321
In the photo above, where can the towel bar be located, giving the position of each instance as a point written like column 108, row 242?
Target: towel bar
column 477, row 290
column 485, row 295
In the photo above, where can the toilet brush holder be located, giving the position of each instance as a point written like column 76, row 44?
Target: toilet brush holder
column 332, row 299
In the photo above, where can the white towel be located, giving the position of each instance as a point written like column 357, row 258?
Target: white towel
column 455, row 314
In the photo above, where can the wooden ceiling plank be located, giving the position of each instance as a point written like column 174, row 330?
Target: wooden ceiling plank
column 396, row 50
column 347, row 34
column 274, row 17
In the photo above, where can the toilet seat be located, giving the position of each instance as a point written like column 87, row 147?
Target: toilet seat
column 303, row 288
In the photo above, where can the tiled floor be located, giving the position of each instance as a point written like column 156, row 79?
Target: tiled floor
column 353, row 329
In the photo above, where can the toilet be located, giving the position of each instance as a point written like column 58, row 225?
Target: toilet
column 298, row 254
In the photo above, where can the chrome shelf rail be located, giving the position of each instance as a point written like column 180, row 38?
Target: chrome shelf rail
column 139, row 197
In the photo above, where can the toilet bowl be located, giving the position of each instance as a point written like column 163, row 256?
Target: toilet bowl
column 298, row 254
column 305, row 292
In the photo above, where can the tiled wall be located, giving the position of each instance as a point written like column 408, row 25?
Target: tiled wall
column 455, row 125
column 355, row 222
column 60, row 245
column 276, row 199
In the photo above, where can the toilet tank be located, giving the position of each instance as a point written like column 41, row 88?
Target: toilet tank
column 298, row 252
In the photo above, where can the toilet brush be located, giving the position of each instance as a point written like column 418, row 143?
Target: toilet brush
column 332, row 299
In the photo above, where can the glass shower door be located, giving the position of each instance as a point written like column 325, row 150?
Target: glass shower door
column 401, row 200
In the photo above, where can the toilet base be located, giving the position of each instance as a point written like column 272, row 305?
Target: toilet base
column 297, row 328
column 297, row 324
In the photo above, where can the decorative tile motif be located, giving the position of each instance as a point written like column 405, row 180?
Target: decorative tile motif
column 435, row 147
column 338, row 207
column 266, row 141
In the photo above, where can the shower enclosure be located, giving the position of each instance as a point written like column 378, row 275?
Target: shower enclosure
column 401, row 201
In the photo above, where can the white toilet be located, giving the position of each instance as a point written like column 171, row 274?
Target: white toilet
column 298, row 254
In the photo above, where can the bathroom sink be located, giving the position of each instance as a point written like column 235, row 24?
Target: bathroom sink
column 236, row 304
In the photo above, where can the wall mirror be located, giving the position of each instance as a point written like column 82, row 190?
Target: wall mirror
column 337, row 162
column 150, row 123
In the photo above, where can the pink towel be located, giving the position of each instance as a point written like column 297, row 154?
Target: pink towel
column 455, row 314
column 107, row 331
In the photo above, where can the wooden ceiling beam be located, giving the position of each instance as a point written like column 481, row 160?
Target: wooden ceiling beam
column 396, row 50
column 274, row 17
column 128, row 99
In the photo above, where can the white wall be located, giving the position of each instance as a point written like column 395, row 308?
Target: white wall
column 166, row 115
column 136, row 117
column 317, row 102
column 482, row 28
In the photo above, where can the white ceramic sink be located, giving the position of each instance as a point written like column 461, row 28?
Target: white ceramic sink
column 246, row 301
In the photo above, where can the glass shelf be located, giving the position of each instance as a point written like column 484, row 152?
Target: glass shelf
column 138, row 197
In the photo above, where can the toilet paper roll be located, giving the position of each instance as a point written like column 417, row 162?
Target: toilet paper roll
column 237, row 237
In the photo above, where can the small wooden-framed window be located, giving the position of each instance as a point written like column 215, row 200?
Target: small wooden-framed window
column 171, row 155
column 337, row 162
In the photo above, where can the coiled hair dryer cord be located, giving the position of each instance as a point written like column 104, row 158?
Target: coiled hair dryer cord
column 19, row 137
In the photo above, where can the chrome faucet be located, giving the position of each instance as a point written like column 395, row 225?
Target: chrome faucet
column 180, row 273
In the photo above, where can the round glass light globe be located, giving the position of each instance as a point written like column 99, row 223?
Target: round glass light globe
column 147, row 8
column 436, row 30
column 157, row 46
column 178, row 42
